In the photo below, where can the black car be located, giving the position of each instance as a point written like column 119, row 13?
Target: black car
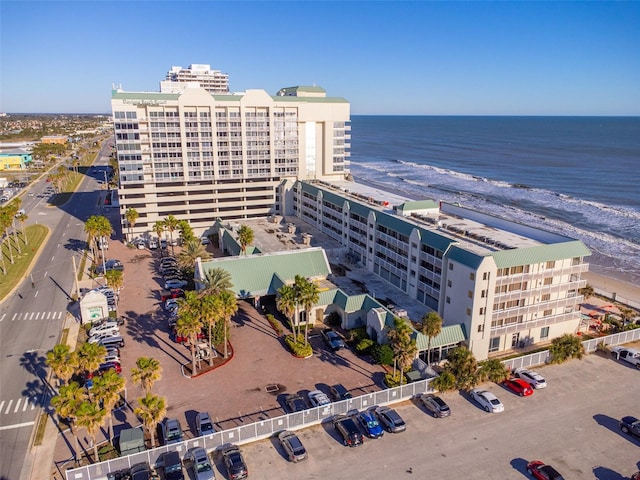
column 141, row 471
column 339, row 392
column 295, row 403
column 233, row 461
column 333, row 340
column 172, row 466
column 630, row 425
column 351, row 434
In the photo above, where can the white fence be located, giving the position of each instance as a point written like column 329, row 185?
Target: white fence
column 617, row 298
column 254, row 431
column 590, row 346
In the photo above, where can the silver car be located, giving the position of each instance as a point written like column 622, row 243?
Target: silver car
column 292, row 446
column 532, row 378
column 197, row 462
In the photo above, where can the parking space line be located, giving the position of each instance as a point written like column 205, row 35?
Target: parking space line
column 32, row 314
column 48, row 315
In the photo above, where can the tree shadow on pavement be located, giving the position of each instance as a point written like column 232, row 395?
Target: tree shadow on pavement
column 604, row 473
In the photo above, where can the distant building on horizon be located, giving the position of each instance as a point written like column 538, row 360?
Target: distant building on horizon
column 213, row 81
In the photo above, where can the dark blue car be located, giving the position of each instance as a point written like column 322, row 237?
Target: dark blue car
column 370, row 424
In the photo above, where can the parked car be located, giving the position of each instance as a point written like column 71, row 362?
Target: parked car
column 532, row 378
column 541, row 471
column 630, row 425
column 318, row 398
column 339, row 392
column 390, row 420
column 171, row 466
column 102, row 336
column 153, row 243
column 104, row 328
column 519, row 386
column 111, row 264
column 110, row 366
column 181, row 339
column 140, row 471
column 435, row 405
column 292, row 446
column 171, row 431
column 333, row 340
column 112, row 341
column 487, row 400
column 204, row 425
column 370, row 424
column 140, row 244
column 175, row 284
column 629, row 355
column 197, row 461
column 295, row 403
column 234, row 462
column 171, row 304
column 111, row 358
column 204, row 240
column 163, row 244
column 173, row 293
column 351, row 435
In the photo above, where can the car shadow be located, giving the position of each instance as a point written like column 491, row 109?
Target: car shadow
column 613, row 424
column 277, row 447
column 332, row 432
column 604, row 473
column 519, row 465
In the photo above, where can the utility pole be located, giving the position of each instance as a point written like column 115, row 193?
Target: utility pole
column 75, row 277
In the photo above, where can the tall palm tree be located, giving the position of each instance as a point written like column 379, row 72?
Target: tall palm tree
column 308, row 296
column 191, row 250
column 131, row 215
column 216, row 280
column 147, row 372
column 91, row 417
column 5, row 222
column 189, row 325
column 3, row 231
column 22, row 218
column 106, row 390
column 245, row 237
column 186, row 232
column 228, row 308
column 151, row 409
column 66, row 405
column 62, row 362
column 14, row 207
column 91, row 229
column 464, row 367
column 114, row 278
column 171, row 224
column 431, row 327
column 158, row 229
column 210, row 306
column 104, row 230
column 287, row 303
column 89, row 356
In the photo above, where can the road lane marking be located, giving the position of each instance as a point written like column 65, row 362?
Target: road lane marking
column 48, row 315
column 45, row 273
column 4, row 315
column 15, row 410
column 35, row 295
column 26, row 404
column 9, row 406
column 37, row 315
column 2, row 405
column 32, row 314
column 17, row 425
column 14, row 316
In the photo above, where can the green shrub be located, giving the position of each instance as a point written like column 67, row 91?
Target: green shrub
column 565, row 347
column 444, row 382
column 364, row 345
column 392, row 380
column 274, row 323
column 357, row 334
column 298, row 348
column 382, row 354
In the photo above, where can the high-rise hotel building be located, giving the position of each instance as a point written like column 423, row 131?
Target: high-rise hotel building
column 201, row 156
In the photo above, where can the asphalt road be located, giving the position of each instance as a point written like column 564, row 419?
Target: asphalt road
column 572, row 425
column 32, row 316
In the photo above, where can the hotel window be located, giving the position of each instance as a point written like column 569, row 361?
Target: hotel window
column 544, row 333
column 470, row 294
column 551, row 264
column 485, row 275
column 448, row 299
column 449, row 283
column 472, row 276
column 482, row 310
column 468, row 312
column 483, row 294
column 548, row 281
column 494, row 344
column 481, row 328
column 547, row 313
column 546, row 297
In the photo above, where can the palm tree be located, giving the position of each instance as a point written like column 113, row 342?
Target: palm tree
column 190, row 251
column 91, row 229
column 228, row 308
column 171, row 224
column 158, row 229
column 245, row 237
column 114, row 280
column 89, row 356
column 189, row 325
column 5, row 221
column 3, row 230
column 587, row 291
column 216, row 280
column 431, row 327
column 22, row 218
column 287, row 303
column 104, row 230
column 62, row 362
column 92, row 417
column 209, row 307
column 66, row 405
column 403, row 346
column 131, row 215
column 106, row 390
column 186, row 232
column 308, row 296
column 464, row 367
column 14, row 208
column 493, row 370
column 151, row 409
column 147, row 372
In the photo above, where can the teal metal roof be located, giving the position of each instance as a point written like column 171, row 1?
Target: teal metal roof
column 359, row 208
column 540, row 254
column 253, row 275
column 331, row 197
column 411, row 206
column 148, row 96
column 465, row 257
column 309, row 99
column 230, row 243
column 395, row 223
column 302, row 88
column 450, row 335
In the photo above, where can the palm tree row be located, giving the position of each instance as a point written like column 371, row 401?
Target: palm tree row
column 96, row 227
column 8, row 216
column 403, row 346
column 302, row 294
column 59, row 178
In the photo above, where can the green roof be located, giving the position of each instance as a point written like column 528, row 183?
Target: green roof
column 395, row 223
column 253, row 275
column 465, row 257
column 144, row 95
column 411, row 206
column 540, row 254
column 449, row 335
column 303, row 88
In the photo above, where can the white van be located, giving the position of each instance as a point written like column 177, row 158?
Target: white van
column 153, row 243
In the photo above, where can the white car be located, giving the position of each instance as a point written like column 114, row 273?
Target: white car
column 318, row 398
column 487, row 400
column 532, row 378
column 169, row 284
column 102, row 336
column 104, row 328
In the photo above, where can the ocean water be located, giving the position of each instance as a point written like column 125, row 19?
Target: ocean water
column 577, row 176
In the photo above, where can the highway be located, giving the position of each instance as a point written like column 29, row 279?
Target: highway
column 32, row 315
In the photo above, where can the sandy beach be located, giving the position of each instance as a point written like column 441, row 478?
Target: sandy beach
column 623, row 290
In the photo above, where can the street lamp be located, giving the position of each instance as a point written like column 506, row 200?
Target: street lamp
column 106, row 185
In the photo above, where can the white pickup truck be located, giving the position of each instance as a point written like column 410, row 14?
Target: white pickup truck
column 629, row 355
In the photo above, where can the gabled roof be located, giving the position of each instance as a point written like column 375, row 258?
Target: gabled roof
column 540, row 254
column 449, row 335
column 263, row 274
column 465, row 257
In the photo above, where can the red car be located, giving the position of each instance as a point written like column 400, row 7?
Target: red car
column 173, row 293
column 519, row 386
column 180, row 339
column 541, row 471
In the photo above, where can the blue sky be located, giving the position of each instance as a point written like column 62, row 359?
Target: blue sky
column 413, row 58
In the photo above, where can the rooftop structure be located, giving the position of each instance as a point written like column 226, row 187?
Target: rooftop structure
column 213, row 81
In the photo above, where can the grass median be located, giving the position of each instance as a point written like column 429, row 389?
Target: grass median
column 17, row 272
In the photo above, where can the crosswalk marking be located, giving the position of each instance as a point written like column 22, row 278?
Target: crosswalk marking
column 38, row 315
column 41, row 316
column 15, row 410
column 3, row 315
column 24, row 402
column 9, row 406
column 14, row 317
